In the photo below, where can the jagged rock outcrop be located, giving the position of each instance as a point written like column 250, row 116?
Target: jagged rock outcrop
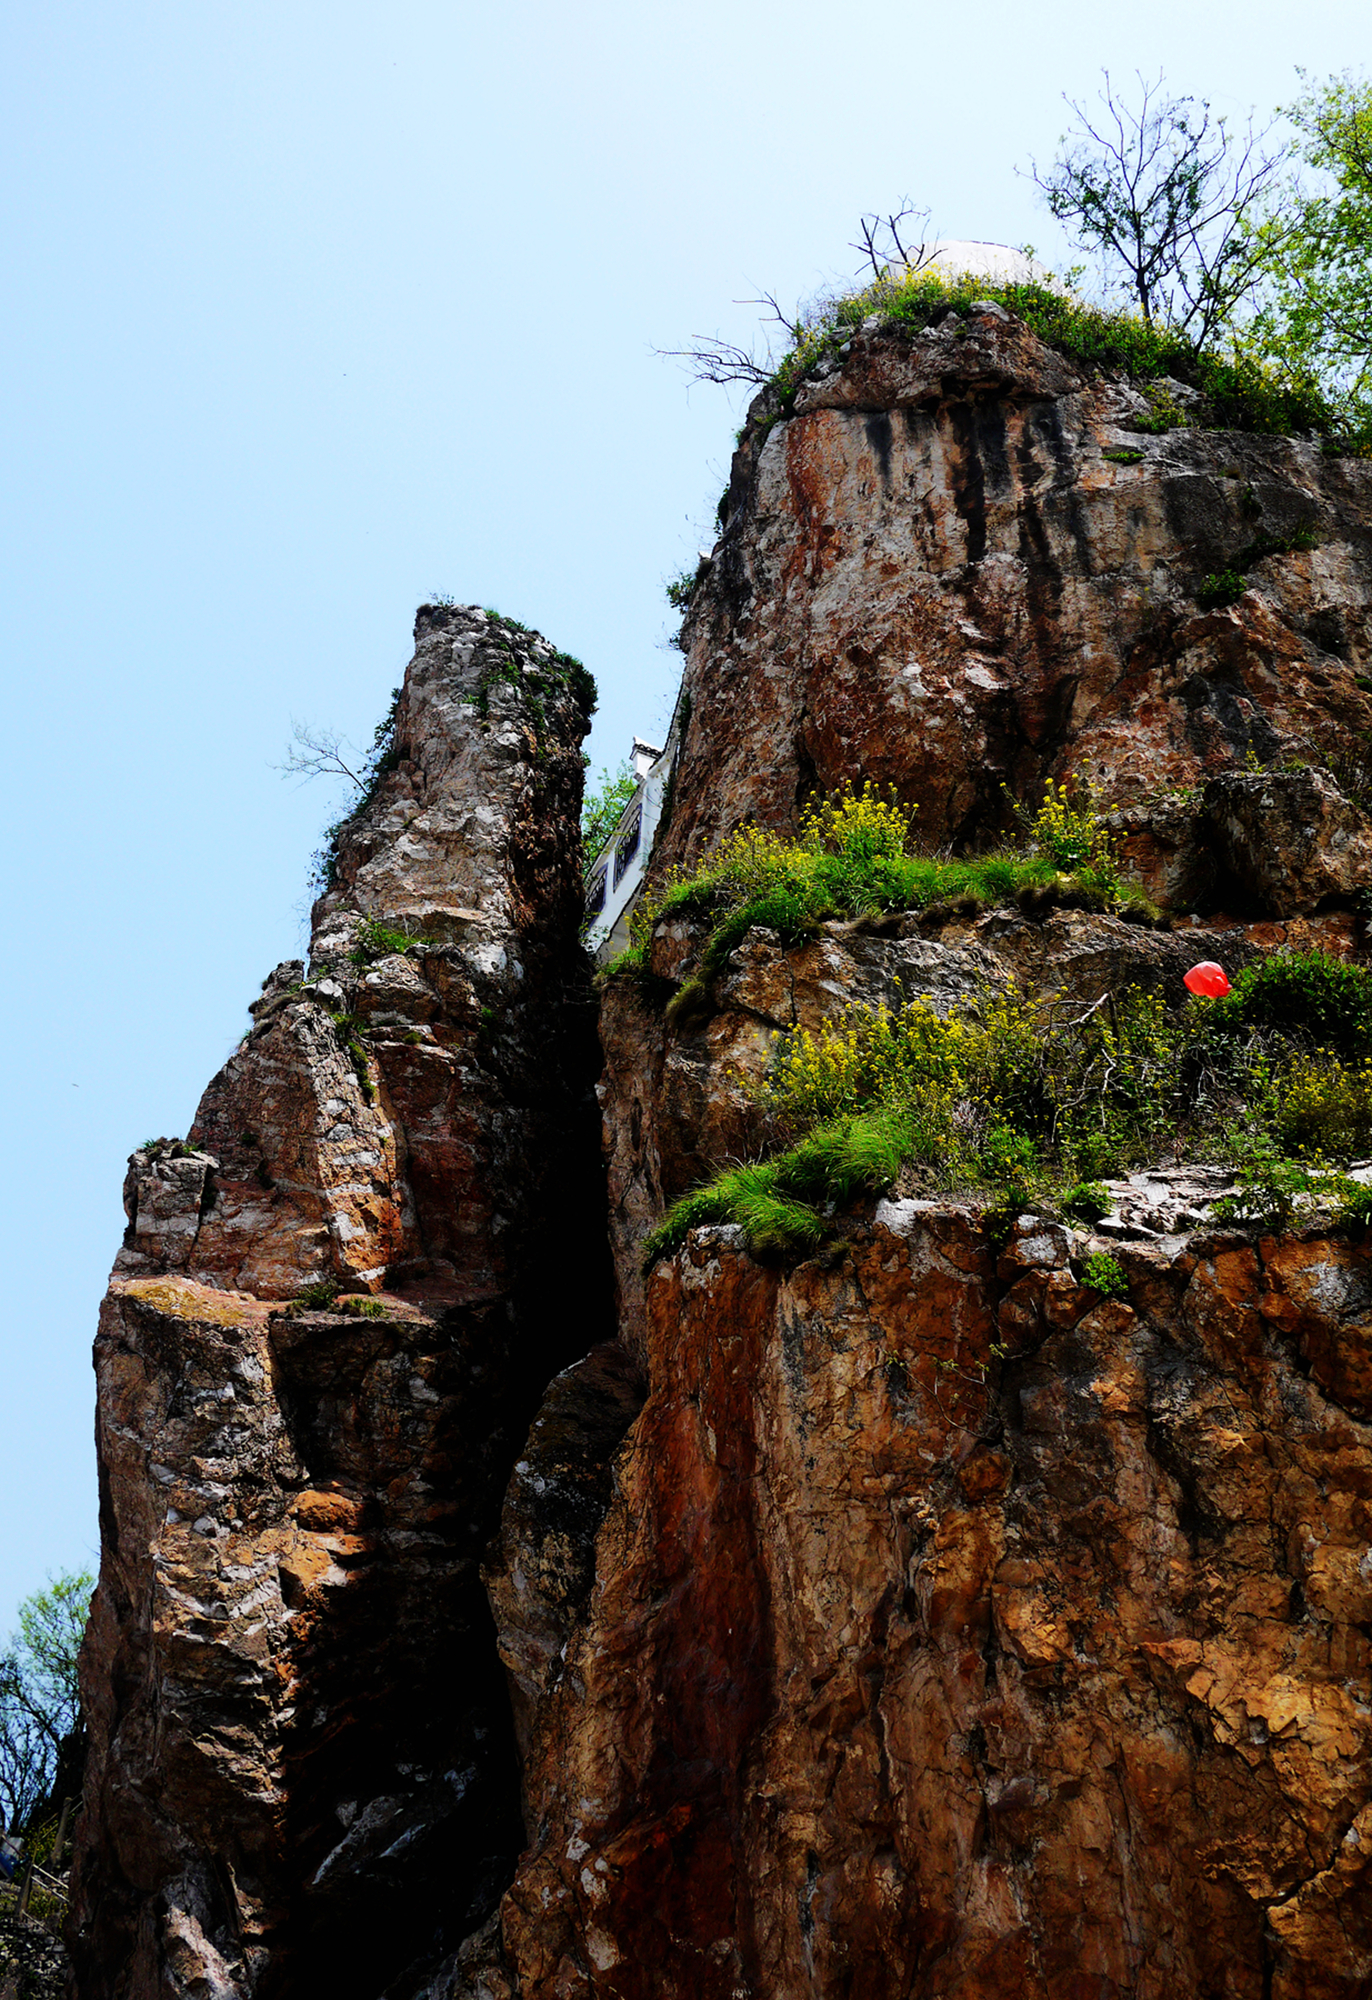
column 936, row 1627
column 302, row 1772
column 933, row 575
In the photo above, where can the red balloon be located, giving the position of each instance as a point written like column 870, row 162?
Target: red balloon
column 1208, row 979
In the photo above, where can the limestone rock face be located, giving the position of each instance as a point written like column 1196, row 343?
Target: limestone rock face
column 957, row 1632
column 303, row 1774
column 934, row 576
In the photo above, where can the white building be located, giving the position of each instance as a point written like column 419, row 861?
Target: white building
column 614, row 878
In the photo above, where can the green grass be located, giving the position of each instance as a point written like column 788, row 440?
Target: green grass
column 780, row 1202
column 1237, row 392
column 1016, row 1103
column 852, row 859
column 372, row 940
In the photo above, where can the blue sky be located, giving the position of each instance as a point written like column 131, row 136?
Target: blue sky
column 316, row 310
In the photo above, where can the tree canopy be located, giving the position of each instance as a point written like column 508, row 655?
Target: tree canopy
column 39, row 1701
column 1317, row 246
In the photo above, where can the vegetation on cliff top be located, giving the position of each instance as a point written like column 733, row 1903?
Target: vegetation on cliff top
column 1218, row 270
column 1239, row 391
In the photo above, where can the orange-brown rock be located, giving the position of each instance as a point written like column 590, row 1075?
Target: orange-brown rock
column 936, row 1628
column 934, row 576
column 942, row 1651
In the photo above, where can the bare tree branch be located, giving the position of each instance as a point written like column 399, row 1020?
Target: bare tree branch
column 318, row 753
column 1165, row 196
column 882, row 254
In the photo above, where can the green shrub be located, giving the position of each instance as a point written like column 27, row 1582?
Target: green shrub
column 1304, row 995
column 372, row 940
column 1086, row 1201
column 1100, row 1272
column 602, row 808
column 1224, row 586
column 317, row 1297
column 1165, row 413
column 360, row 1308
column 1355, row 1205
column 1122, row 457
column 1271, row 1187
column 1323, row 1105
column 1237, row 392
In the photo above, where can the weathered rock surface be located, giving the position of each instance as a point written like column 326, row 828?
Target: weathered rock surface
column 33, row 1965
column 935, row 1628
column 958, row 1632
column 934, row 577
column 303, row 1774
column 1290, row 840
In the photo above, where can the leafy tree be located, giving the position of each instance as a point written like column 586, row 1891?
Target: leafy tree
column 1164, row 194
column 1317, row 247
column 39, row 1703
column 602, row 806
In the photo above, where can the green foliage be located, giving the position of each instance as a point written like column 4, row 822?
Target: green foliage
column 1085, row 1201
column 1224, row 586
column 678, row 588
column 372, row 940
column 1165, row 413
column 503, row 667
column 317, row 1297
column 1316, row 244
column 39, row 1697
column 1122, row 457
column 852, row 859
column 1355, row 1205
column 1068, row 828
column 1018, row 1098
column 1241, row 390
column 779, row 1202
column 1323, row 1105
column 1271, row 1187
column 1305, row 995
column 1102, row 1273
column 602, row 807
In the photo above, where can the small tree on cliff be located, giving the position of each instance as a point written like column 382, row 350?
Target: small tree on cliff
column 40, row 1707
column 1166, row 196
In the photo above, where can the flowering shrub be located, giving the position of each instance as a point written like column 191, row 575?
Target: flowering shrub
column 853, row 856
column 1324, row 1105
column 1067, row 826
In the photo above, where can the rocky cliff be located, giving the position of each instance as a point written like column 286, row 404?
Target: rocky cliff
column 936, row 1626
column 303, row 1773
